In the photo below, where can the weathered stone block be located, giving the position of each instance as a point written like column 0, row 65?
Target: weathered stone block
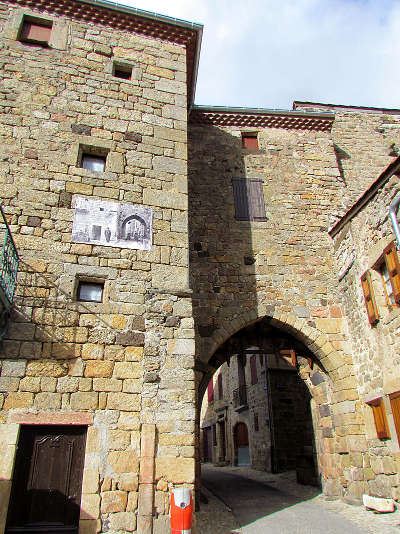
column 84, row 400
column 98, row 369
column 123, row 461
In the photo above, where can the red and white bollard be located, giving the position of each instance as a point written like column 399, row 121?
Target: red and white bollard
column 181, row 511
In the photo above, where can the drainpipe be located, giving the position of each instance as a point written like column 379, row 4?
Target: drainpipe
column 394, row 206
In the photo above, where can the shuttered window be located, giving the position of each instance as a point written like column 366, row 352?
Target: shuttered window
column 210, row 391
column 35, row 31
column 250, row 141
column 220, row 389
column 253, row 369
column 395, row 404
column 391, row 258
column 249, row 199
column 369, row 298
column 381, row 424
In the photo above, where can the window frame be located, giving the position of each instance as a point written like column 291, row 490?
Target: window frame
column 94, row 156
column 124, row 68
column 248, row 139
column 90, row 283
column 35, row 22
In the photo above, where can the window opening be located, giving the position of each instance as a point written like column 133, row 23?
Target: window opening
column 250, row 141
column 93, row 163
column 122, row 71
column 90, row 291
column 35, row 31
column 253, row 369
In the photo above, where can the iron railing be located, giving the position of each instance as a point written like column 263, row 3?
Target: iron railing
column 8, row 260
column 240, row 396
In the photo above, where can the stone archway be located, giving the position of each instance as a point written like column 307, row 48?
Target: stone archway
column 328, row 374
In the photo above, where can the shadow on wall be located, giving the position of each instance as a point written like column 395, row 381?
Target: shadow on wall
column 47, row 322
column 222, row 255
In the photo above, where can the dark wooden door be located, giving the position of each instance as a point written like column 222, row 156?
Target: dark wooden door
column 47, row 481
column 242, row 436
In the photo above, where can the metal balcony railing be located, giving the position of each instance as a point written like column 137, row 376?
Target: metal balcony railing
column 8, row 261
column 240, row 397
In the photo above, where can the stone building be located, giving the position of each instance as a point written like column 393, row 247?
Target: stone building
column 158, row 240
column 257, row 408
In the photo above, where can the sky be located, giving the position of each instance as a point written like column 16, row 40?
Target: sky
column 268, row 53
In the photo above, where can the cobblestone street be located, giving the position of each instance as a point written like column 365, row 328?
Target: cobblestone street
column 252, row 502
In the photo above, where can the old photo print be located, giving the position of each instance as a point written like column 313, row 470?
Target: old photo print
column 112, row 224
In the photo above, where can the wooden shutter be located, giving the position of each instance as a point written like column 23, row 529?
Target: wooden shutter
column 250, row 142
column 372, row 310
column 220, row 388
column 381, row 424
column 395, row 404
column 256, row 196
column 253, row 369
column 35, row 32
column 393, row 267
column 240, row 194
column 210, row 391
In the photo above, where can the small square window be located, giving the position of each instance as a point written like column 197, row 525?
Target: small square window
column 35, row 31
column 93, row 162
column 250, row 141
column 90, row 291
column 122, row 71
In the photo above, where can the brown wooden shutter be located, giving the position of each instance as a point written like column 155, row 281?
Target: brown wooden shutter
column 372, row 310
column 253, row 369
column 35, row 32
column 220, row 389
column 240, row 194
column 256, row 196
column 250, row 142
column 393, row 267
column 395, row 404
column 381, row 424
column 210, row 391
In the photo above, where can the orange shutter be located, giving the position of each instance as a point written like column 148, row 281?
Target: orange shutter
column 395, row 403
column 381, row 424
column 372, row 310
column 393, row 267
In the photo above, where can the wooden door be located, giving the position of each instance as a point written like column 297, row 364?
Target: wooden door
column 47, row 481
column 242, row 445
column 242, row 436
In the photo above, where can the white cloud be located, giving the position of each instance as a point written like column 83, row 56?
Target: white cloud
column 267, row 54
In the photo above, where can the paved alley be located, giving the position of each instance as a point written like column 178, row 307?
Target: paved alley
column 264, row 503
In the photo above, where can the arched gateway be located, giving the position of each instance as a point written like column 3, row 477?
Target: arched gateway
column 323, row 445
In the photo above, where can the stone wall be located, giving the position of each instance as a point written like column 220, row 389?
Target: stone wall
column 359, row 245
column 125, row 365
column 282, row 269
column 365, row 142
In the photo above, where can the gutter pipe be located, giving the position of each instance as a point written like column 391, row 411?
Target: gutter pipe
column 394, row 206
